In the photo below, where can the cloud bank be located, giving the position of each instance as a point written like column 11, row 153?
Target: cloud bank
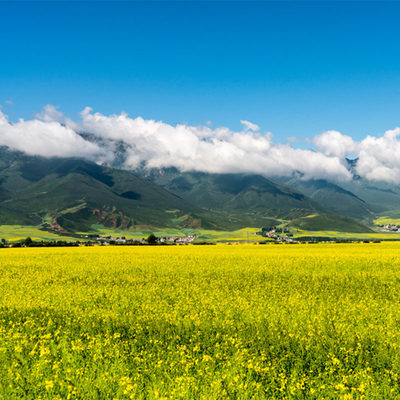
column 155, row 144
column 378, row 157
column 46, row 138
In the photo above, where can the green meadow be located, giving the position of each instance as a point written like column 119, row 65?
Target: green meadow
column 15, row 233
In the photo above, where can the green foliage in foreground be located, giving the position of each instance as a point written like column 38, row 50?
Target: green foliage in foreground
column 193, row 322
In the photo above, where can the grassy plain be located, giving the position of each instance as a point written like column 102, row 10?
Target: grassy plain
column 16, row 233
column 204, row 234
column 387, row 221
column 298, row 233
column 201, row 322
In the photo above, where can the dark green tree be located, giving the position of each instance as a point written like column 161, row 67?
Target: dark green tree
column 152, row 239
column 28, row 241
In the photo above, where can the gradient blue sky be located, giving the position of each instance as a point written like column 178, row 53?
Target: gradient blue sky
column 295, row 69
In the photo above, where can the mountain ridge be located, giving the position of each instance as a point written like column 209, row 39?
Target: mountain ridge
column 72, row 195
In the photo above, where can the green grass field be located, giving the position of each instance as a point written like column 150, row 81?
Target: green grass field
column 298, row 233
column 201, row 322
column 204, row 234
column 386, row 221
column 15, row 233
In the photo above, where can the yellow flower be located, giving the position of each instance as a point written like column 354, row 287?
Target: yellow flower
column 49, row 385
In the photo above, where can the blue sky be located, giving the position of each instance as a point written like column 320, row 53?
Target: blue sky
column 295, row 69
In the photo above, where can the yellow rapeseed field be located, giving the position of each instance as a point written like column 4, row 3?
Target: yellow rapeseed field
column 201, row 322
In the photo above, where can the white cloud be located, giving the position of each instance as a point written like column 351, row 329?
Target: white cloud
column 156, row 144
column 249, row 126
column 48, row 139
column 50, row 113
column 378, row 157
column 334, row 143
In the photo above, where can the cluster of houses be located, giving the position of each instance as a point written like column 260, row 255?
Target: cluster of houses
column 390, row 228
column 178, row 239
column 278, row 234
column 106, row 240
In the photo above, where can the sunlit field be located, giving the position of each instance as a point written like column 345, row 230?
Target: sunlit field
column 387, row 220
column 245, row 234
column 201, row 322
column 299, row 233
column 16, row 233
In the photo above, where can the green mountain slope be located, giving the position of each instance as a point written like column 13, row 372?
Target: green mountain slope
column 236, row 193
column 380, row 195
column 325, row 222
column 333, row 197
column 71, row 194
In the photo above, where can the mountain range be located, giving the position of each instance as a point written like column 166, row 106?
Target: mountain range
column 74, row 195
